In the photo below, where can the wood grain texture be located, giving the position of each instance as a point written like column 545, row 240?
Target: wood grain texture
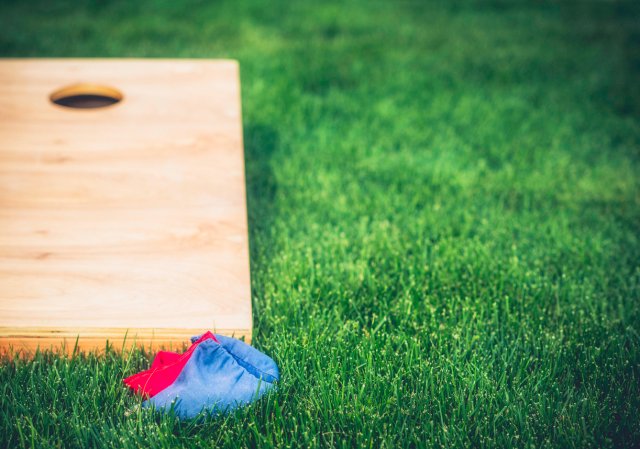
column 124, row 220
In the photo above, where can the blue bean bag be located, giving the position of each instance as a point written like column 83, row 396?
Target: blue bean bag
column 220, row 375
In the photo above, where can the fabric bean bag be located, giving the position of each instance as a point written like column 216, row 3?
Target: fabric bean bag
column 216, row 374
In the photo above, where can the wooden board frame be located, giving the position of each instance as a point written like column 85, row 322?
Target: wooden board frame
column 125, row 223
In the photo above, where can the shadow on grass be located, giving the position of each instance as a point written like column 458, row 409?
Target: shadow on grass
column 260, row 143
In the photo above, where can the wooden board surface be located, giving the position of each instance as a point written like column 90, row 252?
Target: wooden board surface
column 124, row 220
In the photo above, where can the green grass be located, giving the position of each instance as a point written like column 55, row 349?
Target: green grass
column 444, row 208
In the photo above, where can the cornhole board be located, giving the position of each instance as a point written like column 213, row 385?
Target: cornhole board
column 125, row 223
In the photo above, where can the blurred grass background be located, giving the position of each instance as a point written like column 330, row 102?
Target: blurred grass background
column 444, row 213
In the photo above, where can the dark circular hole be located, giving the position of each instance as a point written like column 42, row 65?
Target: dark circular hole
column 86, row 101
column 86, row 96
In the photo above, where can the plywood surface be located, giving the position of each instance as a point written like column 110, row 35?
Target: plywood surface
column 125, row 220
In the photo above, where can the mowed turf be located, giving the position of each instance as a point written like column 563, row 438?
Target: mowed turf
column 444, row 211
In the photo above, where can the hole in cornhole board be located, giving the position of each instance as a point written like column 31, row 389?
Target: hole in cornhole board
column 86, row 96
column 127, row 224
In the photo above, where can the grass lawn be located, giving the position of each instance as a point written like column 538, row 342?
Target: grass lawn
column 444, row 209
